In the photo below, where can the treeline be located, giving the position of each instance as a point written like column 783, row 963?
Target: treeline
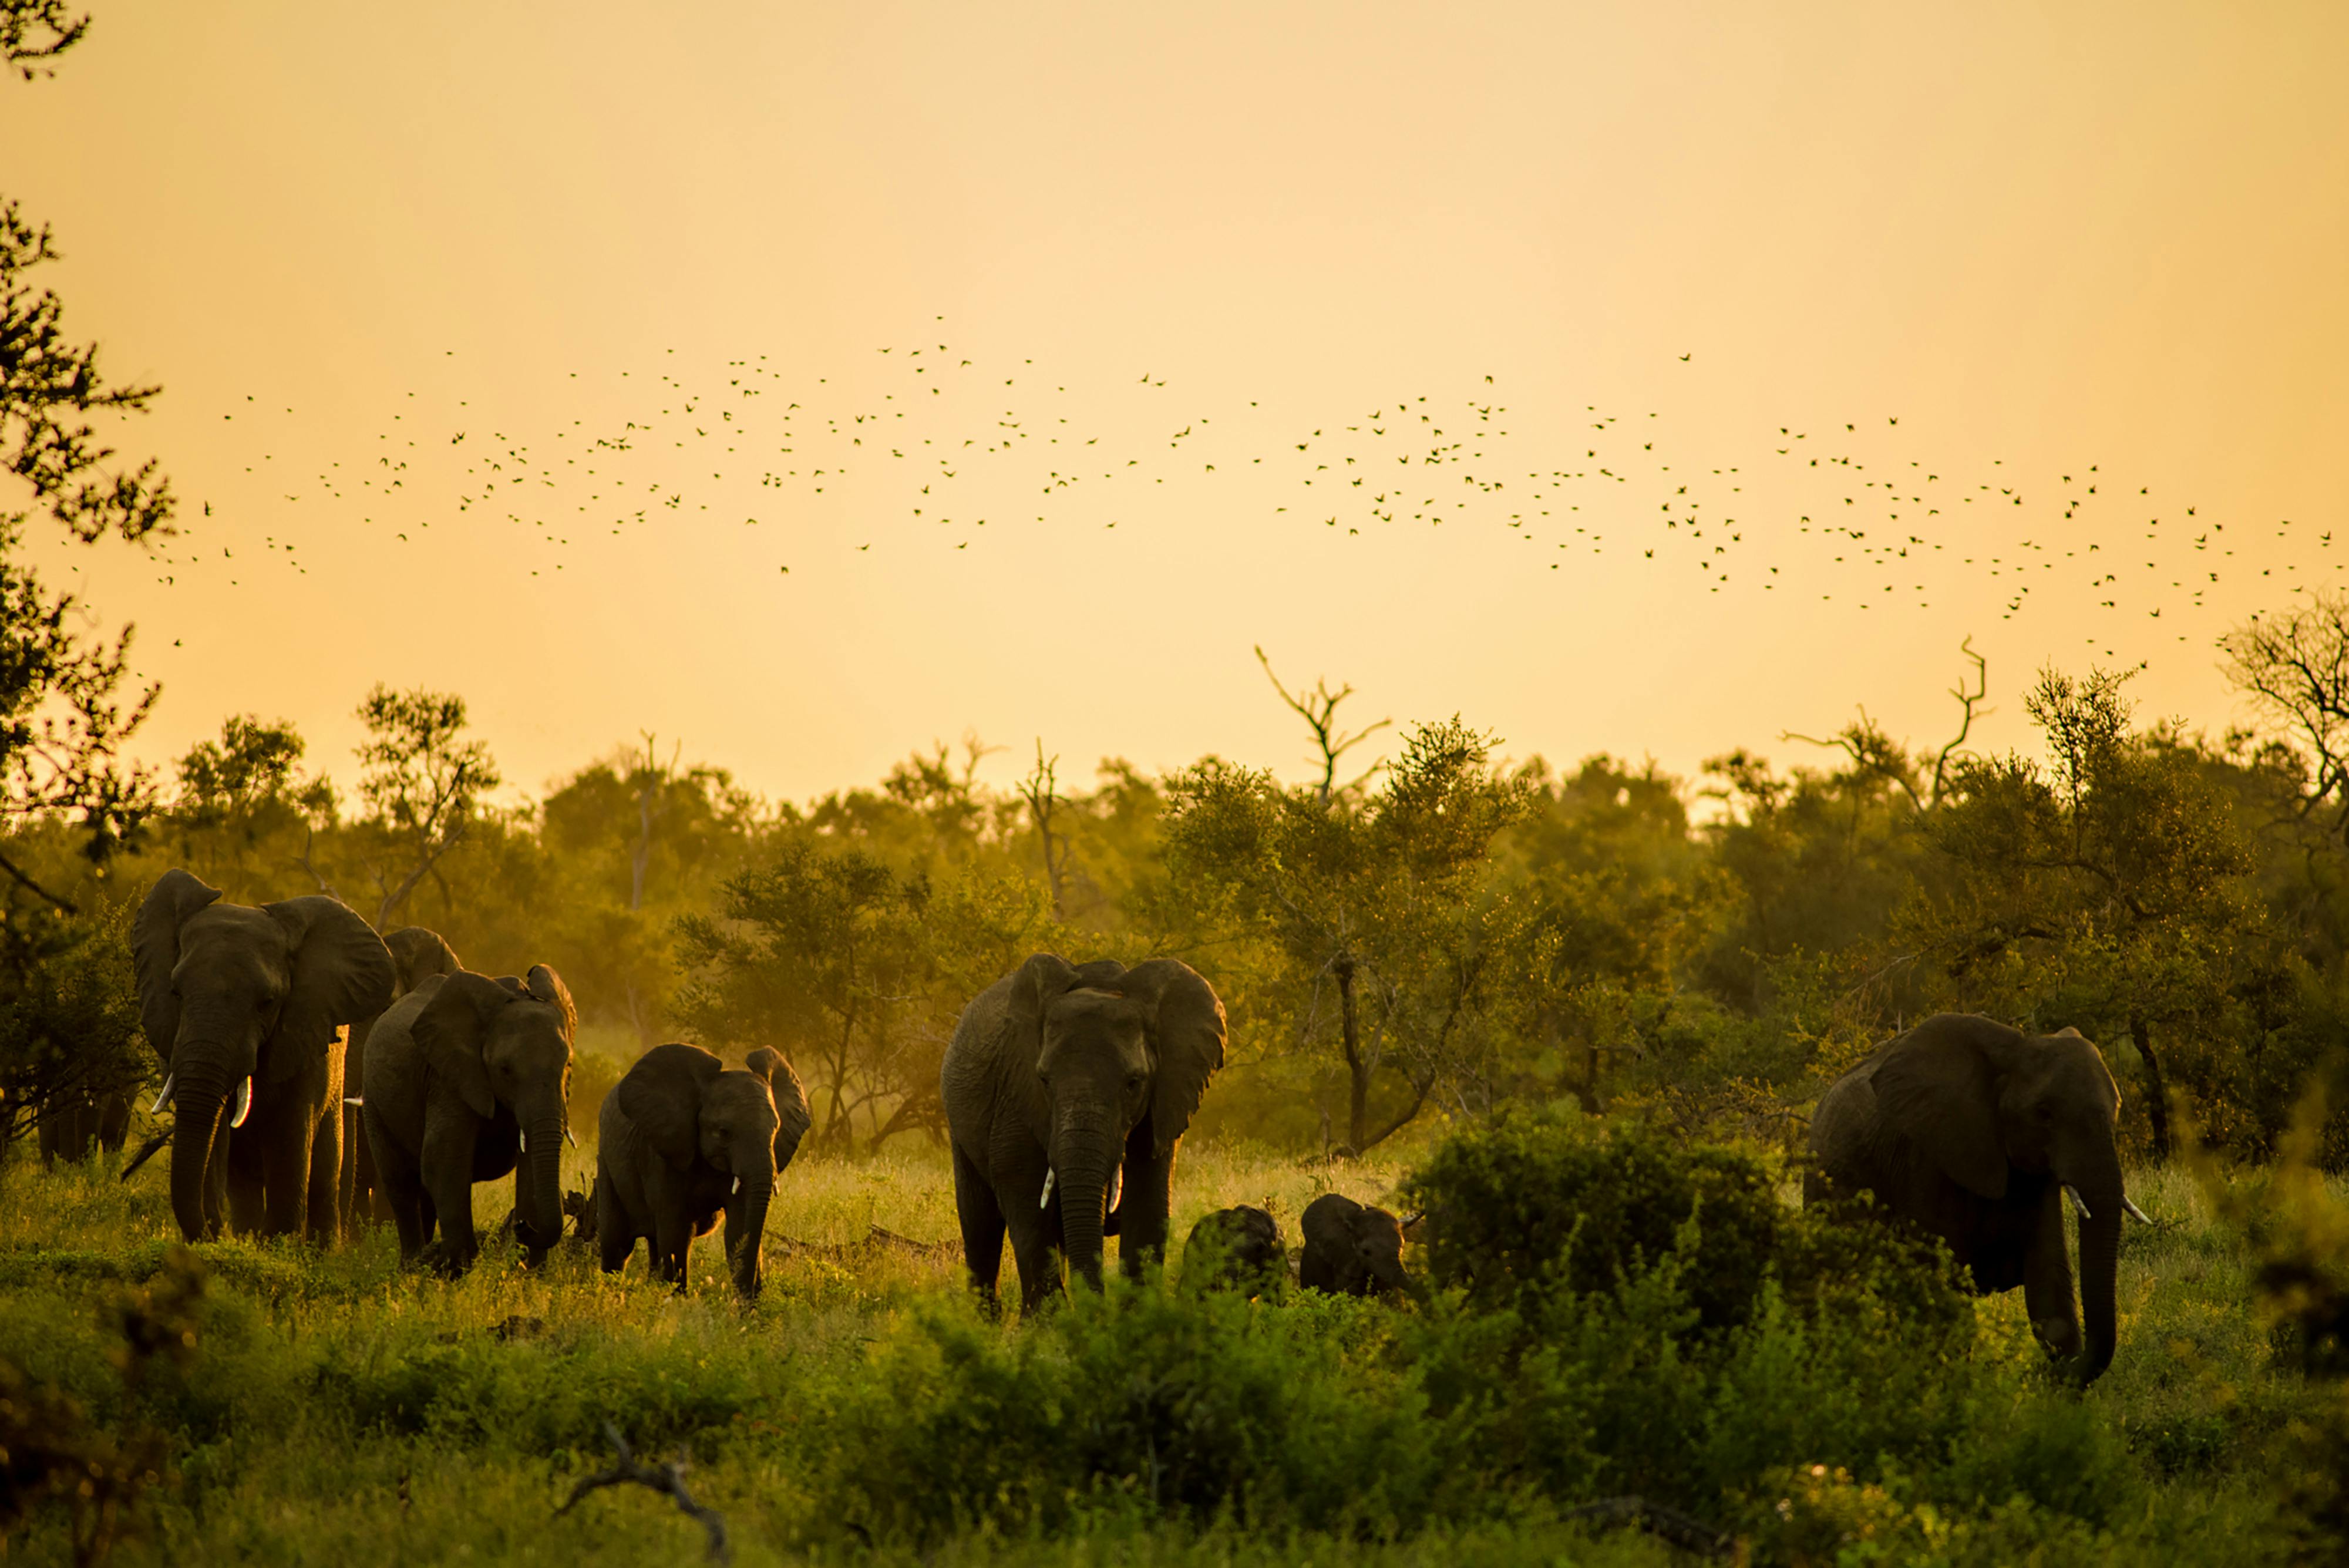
column 1445, row 933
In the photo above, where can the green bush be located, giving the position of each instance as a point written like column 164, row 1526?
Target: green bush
column 1139, row 1402
column 1547, row 1200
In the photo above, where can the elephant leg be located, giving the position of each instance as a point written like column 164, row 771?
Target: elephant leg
column 346, row 1205
column 323, row 1222
column 673, row 1242
column 247, row 1173
column 615, row 1238
column 2047, row 1280
column 1035, row 1240
column 982, row 1224
column 1143, row 1207
column 286, row 1144
column 114, row 1123
column 447, row 1166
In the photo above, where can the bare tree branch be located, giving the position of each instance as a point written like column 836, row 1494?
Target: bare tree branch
column 667, row 1478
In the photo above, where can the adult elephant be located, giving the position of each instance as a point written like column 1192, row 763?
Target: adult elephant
column 247, row 1007
column 1974, row 1132
column 416, row 953
column 1075, row 1078
column 683, row 1138
column 469, row 1078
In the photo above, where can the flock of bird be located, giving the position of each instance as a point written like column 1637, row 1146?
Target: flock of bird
column 930, row 436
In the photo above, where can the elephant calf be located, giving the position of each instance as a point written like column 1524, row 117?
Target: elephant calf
column 684, row 1137
column 1351, row 1250
column 1237, row 1249
column 469, row 1078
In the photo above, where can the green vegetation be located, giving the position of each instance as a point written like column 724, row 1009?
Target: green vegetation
column 332, row 1407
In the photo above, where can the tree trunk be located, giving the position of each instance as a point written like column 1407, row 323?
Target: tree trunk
column 2156, row 1094
column 1357, row 1073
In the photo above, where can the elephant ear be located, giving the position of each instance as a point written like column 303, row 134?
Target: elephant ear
column 1039, row 983
column 449, row 1029
column 544, row 985
column 662, row 1094
column 155, row 952
column 1937, row 1088
column 341, row 973
column 416, row 953
column 793, row 1118
column 1186, row 1031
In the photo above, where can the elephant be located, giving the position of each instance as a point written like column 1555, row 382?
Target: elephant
column 1352, row 1249
column 76, row 1123
column 1974, row 1132
column 247, row 1007
column 1237, row 1249
column 683, row 1138
column 414, row 954
column 1079, row 1077
column 461, row 1074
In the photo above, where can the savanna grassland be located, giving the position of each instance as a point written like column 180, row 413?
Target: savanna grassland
column 335, row 1409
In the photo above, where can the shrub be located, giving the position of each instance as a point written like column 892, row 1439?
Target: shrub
column 1548, row 1201
column 1140, row 1401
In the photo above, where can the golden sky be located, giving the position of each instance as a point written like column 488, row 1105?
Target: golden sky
column 1641, row 240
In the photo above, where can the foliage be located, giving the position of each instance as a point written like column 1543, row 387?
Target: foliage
column 70, row 1030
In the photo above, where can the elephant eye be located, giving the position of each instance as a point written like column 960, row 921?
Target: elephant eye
column 1133, row 1080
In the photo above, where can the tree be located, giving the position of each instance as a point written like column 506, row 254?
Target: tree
column 856, row 973
column 424, row 784
column 240, row 793
column 1376, row 896
column 2106, row 889
column 2295, row 669
column 64, row 714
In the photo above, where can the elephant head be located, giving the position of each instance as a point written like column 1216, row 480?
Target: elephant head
column 1237, row 1249
column 228, row 993
column 699, row 1115
column 1352, row 1249
column 1991, row 1108
column 507, row 1043
column 1115, row 1051
column 416, row 953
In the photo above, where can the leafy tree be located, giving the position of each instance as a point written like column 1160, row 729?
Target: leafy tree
column 2106, row 889
column 240, row 800
column 1374, row 896
column 855, row 971
column 64, row 714
column 424, row 787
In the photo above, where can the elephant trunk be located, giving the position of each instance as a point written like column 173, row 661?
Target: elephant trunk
column 1083, row 1161
column 200, row 1099
column 758, row 1190
column 2100, row 1243
column 545, row 1157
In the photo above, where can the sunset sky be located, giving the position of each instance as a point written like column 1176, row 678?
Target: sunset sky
column 1615, row 249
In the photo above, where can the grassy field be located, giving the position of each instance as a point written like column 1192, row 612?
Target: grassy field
column 342, row 1411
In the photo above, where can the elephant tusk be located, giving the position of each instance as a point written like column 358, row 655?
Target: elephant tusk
column 737, row 1189
column 2133, row 1212
column 2078, row 1202
column 1049, row 1174
column 525, row 1141
column 569, row 1136
column 243, row 1103
column 163, row 1096
column 354, row 1100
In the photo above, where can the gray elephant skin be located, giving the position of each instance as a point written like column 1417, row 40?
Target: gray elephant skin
column 1972, row 1131
column 416, row 953
column 469, row 1078
column 247, row 1007
column 1237, row 1249
column 1063, row 1084
column 1352, row 1249
column 683, row 1138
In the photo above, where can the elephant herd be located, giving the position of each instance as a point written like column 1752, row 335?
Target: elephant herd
column 319, row 1071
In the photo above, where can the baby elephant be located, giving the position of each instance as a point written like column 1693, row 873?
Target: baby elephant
column 1238, row 1249
column 681, row 1138
column 1352, row 1250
